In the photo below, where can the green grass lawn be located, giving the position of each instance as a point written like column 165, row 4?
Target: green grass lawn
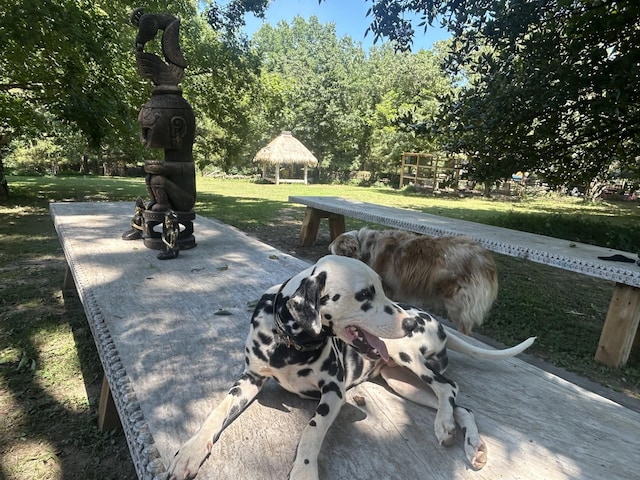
column 50, row 373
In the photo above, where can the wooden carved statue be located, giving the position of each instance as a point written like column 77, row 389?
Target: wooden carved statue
column 168, row 122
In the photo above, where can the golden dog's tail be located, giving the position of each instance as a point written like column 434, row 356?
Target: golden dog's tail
column 456, row 343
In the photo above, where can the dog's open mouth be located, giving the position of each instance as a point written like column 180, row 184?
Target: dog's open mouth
column 367, row 344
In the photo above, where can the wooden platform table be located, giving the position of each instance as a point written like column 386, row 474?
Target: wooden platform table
column 171, row 334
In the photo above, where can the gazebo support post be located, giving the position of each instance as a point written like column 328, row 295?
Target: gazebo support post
column 305, row 173
column 277, row 174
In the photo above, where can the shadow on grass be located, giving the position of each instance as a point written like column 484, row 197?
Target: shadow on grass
column 50, row 428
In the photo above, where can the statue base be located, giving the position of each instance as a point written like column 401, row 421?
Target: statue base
column 152, row 236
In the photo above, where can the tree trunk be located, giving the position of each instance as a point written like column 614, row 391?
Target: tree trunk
column 4, row 186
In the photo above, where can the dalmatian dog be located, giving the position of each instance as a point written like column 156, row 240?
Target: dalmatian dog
column 327, row 329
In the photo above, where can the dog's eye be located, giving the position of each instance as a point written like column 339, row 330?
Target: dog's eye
column 366, row 294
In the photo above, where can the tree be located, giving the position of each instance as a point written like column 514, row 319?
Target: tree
column 554, row 84
column 71, row 62
column 311, row 80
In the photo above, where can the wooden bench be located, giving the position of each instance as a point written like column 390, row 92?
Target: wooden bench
column 620, row 330
column 171, row 335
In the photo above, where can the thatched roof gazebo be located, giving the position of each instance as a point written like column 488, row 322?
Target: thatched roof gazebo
column 288, row 151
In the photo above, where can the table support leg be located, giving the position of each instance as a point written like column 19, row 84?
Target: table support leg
column 620, row 327
column 311, row 224
column 69, row 284
column 108, row 418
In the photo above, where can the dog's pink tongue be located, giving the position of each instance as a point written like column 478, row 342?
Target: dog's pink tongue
column 378, row 344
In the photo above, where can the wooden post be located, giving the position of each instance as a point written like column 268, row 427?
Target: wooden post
column 311, row 224
column 108, row 418
column 69, row 284
column 336, row 225
column 277, row 174
column 620, row 326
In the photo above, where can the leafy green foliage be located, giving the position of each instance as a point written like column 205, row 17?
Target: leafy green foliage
column 344, row 104
column 553, row 85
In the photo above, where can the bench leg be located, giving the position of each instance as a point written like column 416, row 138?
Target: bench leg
column 311, row 224
column 69, row 284
column 108, row 418
column 620, row 327
column 336, row 225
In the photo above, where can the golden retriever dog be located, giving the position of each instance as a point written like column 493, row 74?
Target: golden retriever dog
column 455, row 273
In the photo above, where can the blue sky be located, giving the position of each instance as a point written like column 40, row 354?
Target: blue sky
column 349, row 17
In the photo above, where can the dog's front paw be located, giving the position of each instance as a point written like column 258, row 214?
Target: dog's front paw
column 445, row 428
column 476, row 451
column 189, row 459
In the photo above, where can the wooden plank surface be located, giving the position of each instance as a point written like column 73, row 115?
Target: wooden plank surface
column 169, row 358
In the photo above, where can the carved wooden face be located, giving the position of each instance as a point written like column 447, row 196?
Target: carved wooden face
column 165, row 125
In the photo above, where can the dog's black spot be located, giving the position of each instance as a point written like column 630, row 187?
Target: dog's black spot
column 332, row 387
column 439, row 361
column 257, row 351
column 442, row 379
column 305, row 372
column 452, row 401
column 442, row 335
column 336, row 297
column 469, row 441
column 405, row 357
column 366, row 306
column 323, row 409
column 327, row 316
column 388, row 310
column 236, row 390
column 283, row 356
column 324, row 300
column 265, row 339
column 306, row 461
column 264, row 304
column 312, row 423
column 355, row 362
column 425, row 316
column 310, row 394
column 330, row 365
column 427, row 379
column 236, row 409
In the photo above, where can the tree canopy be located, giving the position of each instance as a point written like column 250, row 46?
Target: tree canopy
column 547, row 86
column 553, row 85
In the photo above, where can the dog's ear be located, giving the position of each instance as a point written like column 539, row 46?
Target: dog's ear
column 304, row 304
